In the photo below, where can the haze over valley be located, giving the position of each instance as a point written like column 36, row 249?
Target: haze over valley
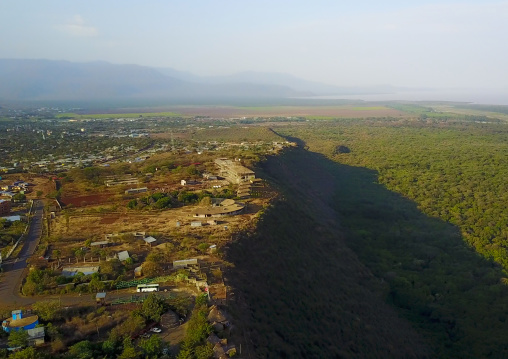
column 254, row 179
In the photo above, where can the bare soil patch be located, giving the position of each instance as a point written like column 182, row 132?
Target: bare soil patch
column 92, row 199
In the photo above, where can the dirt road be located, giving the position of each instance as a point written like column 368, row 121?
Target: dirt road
column 13, row 268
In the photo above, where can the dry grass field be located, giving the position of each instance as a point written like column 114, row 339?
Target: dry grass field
column 346, row 111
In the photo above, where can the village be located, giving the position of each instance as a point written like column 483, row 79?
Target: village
column 133, row 237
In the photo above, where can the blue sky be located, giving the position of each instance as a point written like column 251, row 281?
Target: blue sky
column 405, row 43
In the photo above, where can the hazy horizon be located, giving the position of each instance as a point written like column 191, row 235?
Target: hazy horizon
column 437, row 44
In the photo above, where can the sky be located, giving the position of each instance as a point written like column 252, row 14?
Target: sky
column 415, row 43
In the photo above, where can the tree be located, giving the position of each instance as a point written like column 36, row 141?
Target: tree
column 152, row 347
column 128, row 328
column 111, row 268
column 153, row 307
column 47, row 309
column 18, row 338
column 164, row 202
column 82, row 350
column 57, row 253
column 129, row 351
column 132, row 204
column 28, row 353
column 79, row 253
column 19, row 197
column 109, row 348
column 204, row 351
column 152, row 269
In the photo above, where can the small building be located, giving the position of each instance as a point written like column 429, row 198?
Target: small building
column 72, row 271
column 36, row 336
column 19, row 320
column 178, row 223
column 138, row 271
column 123, row 256
column 188, row 182
column 13, row 218
column 100, row 244
column 196, row 224
column 184, row 263
column 5, row 207
column 219, row 211
column 100, row 298
column 149, row 240
column 136, row 190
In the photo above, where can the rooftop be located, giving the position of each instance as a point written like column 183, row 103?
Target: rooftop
column 149, row 239
column 19, row 323
column 218, row 210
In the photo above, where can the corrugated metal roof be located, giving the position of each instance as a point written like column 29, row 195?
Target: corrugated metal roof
column 123, row 255
column 36, row 332
column 149, row 239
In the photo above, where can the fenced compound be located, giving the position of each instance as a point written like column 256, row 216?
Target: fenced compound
column 135, row 283
column 140, row 298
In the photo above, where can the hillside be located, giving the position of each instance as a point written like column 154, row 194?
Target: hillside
column 343, row 266
column 47, row 80
column 301, row 291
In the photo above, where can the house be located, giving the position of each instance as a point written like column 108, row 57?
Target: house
column 12, row 218
column 123, row 256
column 149, row 240
column 136, row 190
column 184, row 263
column 188, row 182
column 72, row 271
column 36, row 336
column 121, row 181
column 100, row 298
column 100, row 244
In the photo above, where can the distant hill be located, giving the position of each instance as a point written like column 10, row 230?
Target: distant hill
column 280, row 79
column 48, row 80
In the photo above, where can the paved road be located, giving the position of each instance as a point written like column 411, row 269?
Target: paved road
column 13, row 268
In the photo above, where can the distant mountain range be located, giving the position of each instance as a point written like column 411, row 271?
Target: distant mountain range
column 49, row 80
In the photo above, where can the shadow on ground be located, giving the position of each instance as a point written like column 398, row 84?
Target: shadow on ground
column 342, row 267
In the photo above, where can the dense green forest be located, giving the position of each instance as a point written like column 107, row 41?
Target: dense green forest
column 454, row 172
column 424, row 206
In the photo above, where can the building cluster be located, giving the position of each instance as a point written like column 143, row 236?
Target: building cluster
column 25, row 321
column 8, row 191
column 233, row 171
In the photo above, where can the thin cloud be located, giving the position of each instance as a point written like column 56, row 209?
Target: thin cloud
column 77, row 27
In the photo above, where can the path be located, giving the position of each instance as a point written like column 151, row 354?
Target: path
column 13, row 269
